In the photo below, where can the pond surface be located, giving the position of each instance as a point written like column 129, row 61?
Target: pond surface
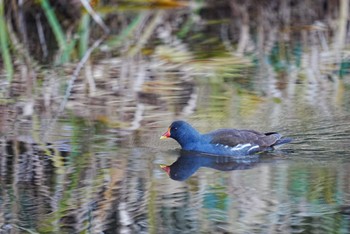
column 91, row 177
column 89, row 159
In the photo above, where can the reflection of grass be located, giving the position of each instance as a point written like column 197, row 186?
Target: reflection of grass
column 314, row 185
column 72, row 175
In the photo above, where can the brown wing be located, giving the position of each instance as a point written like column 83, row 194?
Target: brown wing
column 233, row 137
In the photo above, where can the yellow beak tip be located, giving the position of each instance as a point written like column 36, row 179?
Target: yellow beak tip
column 163, row 137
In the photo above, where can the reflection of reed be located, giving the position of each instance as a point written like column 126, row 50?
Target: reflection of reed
column 69, row 198
column 109, row 192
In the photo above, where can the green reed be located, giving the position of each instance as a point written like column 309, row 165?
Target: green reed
column 4, row 44
column 65, row 48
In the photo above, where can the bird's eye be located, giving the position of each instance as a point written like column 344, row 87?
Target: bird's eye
column 174, row 128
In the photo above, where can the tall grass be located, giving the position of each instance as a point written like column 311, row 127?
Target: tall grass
column 58, row 31
column 4, row 44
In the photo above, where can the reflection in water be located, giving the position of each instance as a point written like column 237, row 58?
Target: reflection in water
column 122, row 191
column 189, row 162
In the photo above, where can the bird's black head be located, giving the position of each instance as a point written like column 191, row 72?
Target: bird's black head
column 182, row 132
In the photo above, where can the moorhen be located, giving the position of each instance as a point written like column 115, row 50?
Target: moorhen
column 229, row 142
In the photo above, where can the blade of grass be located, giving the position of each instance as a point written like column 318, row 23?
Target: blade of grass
column 116, row 41
column 185, row 29
column 65, row 55
column 53, row 21
column 151, row 26
column 95, row 16
column 6, row 56
column 55, row 25
column 84, row 32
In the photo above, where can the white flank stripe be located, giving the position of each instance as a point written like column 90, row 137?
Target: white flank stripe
column 254, row 147
column 240, row 146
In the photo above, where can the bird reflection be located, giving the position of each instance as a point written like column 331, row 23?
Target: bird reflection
column 189, row 162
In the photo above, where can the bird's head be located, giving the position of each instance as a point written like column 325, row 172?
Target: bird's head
column 182, row 132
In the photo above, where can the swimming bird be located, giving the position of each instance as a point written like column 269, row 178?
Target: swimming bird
column 230, row 142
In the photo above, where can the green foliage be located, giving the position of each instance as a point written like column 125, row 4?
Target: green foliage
column 116, row 41
column 84, row 34
column 57, row 30
column 4, row 44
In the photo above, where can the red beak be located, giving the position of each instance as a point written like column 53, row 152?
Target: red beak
column 166, row 134
column 165, row 168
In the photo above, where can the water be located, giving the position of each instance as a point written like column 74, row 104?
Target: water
column 89, row 176
column 95, row 165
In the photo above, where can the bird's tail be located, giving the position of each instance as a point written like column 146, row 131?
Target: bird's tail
column 283, row 140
